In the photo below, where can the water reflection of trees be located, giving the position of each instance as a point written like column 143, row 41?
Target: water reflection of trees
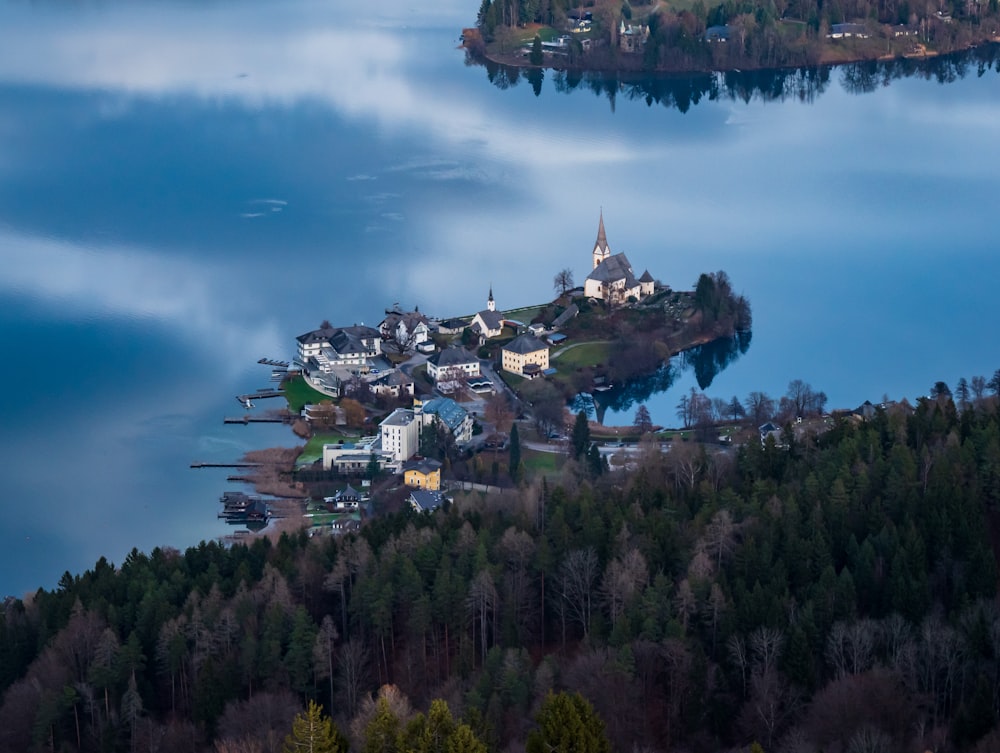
column 707, row 361
column 681, row 92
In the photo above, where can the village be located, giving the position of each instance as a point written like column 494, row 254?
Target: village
column 429, row 405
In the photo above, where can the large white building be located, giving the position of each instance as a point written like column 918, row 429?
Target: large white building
column 397, row 441
column 328, row 348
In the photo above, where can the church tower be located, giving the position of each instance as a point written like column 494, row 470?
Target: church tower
column 601, row 249
column 490, row 303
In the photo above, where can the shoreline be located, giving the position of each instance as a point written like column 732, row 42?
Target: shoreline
column 517, row 60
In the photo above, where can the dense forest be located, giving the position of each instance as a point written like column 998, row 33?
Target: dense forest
column 746, row 34
column 828, row 592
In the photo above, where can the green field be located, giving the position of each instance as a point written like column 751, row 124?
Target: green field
column 298, row 394
column 541, row 463
column 582, row 354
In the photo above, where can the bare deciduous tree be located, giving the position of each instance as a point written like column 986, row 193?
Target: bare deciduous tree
column 563, row 281
column 576, row 583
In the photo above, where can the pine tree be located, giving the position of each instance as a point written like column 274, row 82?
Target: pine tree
column 568, row 724
column 313, row 732
column 515, row 453
column 581, row 435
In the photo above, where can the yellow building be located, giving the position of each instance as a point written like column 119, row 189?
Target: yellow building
column 423, row 474
column 526, row 356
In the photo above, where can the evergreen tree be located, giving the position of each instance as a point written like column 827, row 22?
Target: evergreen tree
column 515, row 453
column 313, row 732
column 536, row 57
column 580, row 441
column 568, row 724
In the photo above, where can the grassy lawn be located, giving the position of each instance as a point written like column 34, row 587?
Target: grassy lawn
column 584, row 354
column 527, row 313
column 298, row 393
column 541, row 463
column 313, row 450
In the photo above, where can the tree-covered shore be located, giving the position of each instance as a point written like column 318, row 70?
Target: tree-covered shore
column 688, row 37
column 837, row 591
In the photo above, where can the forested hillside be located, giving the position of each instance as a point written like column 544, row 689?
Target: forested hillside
column 835, row 594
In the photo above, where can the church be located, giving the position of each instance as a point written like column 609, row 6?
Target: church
column 612, row 279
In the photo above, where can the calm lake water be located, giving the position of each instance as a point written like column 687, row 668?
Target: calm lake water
column 184, row 188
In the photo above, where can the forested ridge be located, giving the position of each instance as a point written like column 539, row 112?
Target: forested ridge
column 834, row 594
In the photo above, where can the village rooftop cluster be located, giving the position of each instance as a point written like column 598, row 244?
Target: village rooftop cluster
column 333, row 360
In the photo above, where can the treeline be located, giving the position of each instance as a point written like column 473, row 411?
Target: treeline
column 759, row 33
column 837, row 593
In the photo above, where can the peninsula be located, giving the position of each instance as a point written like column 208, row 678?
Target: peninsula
column 684, row 36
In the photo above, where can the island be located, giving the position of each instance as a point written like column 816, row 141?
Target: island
column 699, row 36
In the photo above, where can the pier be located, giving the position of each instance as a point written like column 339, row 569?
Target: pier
column 272, row 362
column 225, row 465
column 260, row 394
column 252, row 420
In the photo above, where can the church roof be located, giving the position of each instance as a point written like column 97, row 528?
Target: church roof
column 616, row 267
column 602, row 239
column 492, row 319
column 646, row 277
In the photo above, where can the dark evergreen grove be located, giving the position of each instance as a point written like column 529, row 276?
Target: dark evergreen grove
column 837, row 594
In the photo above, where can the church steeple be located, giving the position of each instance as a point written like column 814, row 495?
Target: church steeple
column 490, row 303
column 601, row 249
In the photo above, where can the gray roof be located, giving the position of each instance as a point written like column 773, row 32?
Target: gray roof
column 395, row 378
column 452, row 356
column 646, row 277
column 424, row 465
column 425, row 500
column 566, row 315
column 614, row 268
column 526, row 343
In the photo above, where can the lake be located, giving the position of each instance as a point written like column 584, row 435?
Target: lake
column 184, row 188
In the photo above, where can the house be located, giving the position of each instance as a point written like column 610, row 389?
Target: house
column 347, row 498
column 525, row 355
column 717, row 34
column 840, row 31
column 488, row 322
column 632, row 38
column 770, row 430
column 452, row 326
column 452, row 415
column 612, row 279
column 422, row 474
column 425, row 501
column 404, row 329
column 451, row 367
column 394, row 384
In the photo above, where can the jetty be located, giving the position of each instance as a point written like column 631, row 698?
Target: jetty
column 225, row 465
column 253, row 420
column 272, row 362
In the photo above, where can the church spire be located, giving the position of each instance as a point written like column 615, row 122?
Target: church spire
column 601, row 249
column 490, row 303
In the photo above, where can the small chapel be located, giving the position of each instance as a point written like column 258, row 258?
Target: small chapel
column 612, row 279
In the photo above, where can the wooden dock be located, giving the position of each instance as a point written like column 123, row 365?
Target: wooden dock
column 252, row 420
column 225, row 465
column 272, row 362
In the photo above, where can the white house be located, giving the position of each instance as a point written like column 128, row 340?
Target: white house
column 450, row 366
column 407, row 329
